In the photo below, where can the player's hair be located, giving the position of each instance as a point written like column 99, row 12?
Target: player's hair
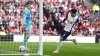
column 27, row 3
column 73, row 10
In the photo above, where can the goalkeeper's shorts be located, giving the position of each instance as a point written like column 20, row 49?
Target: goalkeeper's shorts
column 28, row 28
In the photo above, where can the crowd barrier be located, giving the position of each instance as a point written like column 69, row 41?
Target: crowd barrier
column 19, row 38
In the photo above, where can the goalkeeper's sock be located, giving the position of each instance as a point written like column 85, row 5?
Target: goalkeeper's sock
column 59, row 45
column 25, row 41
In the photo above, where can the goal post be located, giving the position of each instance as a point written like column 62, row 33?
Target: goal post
column 41, row 27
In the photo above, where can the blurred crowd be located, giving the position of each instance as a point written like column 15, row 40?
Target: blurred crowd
column 11, row 14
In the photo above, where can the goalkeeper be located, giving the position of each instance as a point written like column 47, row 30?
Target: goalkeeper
column 27, row 22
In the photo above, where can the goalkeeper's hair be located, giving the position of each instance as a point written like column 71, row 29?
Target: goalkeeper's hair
column 27, row 3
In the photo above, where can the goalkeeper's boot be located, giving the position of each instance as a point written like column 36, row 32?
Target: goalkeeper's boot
column 27, row 50
column 55, row 51
column 75, row 42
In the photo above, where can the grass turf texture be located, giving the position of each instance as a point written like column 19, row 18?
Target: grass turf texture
column 67, row 49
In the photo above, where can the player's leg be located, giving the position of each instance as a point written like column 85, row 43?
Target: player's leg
column 26, row 37
column 60, row 42
column 63, row 37
column 67, row 39
column 73, row 40
column 26, row 34
column 58, row 47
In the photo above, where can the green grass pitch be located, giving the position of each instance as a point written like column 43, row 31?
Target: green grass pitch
column 67, row 49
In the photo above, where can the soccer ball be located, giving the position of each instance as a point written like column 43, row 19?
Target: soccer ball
column 22, row 49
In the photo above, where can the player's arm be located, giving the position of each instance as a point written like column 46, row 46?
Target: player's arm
column 63, row 20
column 78, row 21
column 66, row 18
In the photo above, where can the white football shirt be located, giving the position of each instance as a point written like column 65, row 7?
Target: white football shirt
column 68, row 25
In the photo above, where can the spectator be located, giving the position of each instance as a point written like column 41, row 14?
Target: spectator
column 50, row 31
column 11, row 14
column 11, row 23
column 96, row 8
column 91, row 30
column 55, row 32
column 16, row 31
column 4, row 24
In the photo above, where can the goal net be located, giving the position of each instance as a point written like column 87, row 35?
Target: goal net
column 11, row 37
column 9, row 45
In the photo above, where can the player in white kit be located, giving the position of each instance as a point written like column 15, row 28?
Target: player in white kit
column 69, row 22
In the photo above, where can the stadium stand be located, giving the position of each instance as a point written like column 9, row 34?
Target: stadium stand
column 11, row 14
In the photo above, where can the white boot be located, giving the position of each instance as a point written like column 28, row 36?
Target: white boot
column 56, row 51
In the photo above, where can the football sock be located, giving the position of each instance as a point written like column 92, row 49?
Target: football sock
column 59, row 45
column 25, row 41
